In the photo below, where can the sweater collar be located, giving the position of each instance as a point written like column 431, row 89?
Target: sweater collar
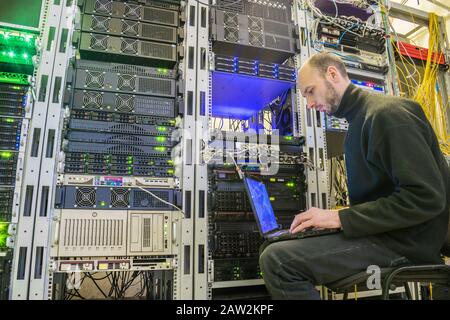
column 350, row 103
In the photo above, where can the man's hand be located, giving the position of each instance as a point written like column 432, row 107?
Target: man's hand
column 316, row 218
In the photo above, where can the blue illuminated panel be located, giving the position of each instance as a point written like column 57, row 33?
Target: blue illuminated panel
column 239, row 96
column 368, row 85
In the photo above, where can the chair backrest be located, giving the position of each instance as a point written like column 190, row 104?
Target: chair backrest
column 446, row 247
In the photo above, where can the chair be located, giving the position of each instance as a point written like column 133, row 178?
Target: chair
column 400, row 276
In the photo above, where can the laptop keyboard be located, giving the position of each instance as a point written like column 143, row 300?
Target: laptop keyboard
column 303, row 234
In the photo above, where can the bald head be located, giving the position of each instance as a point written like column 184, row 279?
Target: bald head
column 323, row 81
column 321, row 61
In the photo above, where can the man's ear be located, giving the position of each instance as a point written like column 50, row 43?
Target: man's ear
column 332, row 74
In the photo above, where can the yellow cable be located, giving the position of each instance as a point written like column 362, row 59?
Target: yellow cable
column 431, row 290
column 426, row 93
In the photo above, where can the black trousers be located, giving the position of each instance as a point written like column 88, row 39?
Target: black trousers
column 292, row 268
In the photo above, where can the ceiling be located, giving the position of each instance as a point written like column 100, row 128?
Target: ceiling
column 420, row 35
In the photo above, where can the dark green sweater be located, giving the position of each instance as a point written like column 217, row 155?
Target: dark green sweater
column 398, row 179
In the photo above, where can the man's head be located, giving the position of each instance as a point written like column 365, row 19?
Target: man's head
column 323, row 81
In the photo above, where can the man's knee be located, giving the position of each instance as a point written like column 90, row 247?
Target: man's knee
column 273, row 257
column 267, row 259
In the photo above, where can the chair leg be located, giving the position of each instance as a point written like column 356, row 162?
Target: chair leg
column 385, row 289
column 345, row 295
column 408, row 291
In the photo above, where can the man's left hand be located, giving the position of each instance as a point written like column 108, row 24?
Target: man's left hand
column 316, row 218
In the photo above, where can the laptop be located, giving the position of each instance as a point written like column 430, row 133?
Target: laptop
column 265, row 217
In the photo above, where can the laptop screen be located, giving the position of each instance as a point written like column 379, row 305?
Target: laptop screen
column 261, row 205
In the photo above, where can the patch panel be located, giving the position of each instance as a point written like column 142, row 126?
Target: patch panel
column 71, row 197
column 369, row 39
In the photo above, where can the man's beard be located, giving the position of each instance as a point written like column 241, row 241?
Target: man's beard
column 331, row 98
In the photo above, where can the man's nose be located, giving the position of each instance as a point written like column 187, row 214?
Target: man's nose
column 310, row 104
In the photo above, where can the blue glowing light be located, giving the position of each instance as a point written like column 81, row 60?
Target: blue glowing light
column 240, row 96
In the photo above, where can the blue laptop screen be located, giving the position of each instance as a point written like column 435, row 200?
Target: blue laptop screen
column 262, row 205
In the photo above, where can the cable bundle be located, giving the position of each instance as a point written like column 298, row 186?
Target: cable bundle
column 429, row 94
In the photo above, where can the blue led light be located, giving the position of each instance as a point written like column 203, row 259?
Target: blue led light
column 239, row 96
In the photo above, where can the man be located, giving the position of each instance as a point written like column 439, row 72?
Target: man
column 398, row 183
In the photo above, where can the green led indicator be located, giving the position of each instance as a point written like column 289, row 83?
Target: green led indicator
column 162, row 129
column 170, row 171
column 102, row 203
column 6, row 155
column 161, row 149
column 3, row 234
column 172, row 122
column 290, row 184
column 11, row 54
column 272, row 198
column 9, row 120
column 4, row 53
column 170, row 161
column 273, row 179
column 289, row 138
column 25, row 56
column 151, row 163
column 161, row 139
